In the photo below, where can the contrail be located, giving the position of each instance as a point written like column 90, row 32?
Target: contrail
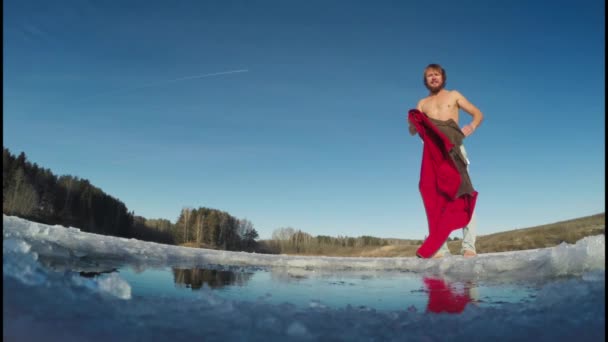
column 193, row 77
column 166, row 82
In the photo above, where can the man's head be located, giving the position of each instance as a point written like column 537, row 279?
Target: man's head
column 434, row 78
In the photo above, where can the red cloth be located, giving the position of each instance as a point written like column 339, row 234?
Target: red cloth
column 439, row 183
column 442, row 298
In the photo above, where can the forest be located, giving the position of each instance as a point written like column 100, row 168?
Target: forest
column 35, row 193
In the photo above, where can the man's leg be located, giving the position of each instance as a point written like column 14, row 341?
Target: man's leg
column 443, row 250
column 469, row 233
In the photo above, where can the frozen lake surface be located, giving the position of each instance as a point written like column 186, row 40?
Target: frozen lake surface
column 382, row 291
column 64, row 284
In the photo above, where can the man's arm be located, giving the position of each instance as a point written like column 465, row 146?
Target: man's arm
column 470, row 109
column 411, row 127
column 419, row 105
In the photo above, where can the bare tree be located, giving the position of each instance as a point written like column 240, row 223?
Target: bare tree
column 246, row 233
column 244, row 226
column 282, row 237
column 23, row 199
column 283, row 233
column 200, row 219
column 186, row 211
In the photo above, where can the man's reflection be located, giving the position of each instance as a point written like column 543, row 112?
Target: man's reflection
column 450, row 297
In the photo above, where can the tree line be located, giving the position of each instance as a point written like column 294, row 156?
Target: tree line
column 36, row 194
column 212, row 228
column 288, row 240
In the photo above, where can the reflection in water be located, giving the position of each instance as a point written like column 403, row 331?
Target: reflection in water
column 450, row 297
column 312, row 288
column 83, row 266
column 196, row 277
column 289, row 275
column 87, row 274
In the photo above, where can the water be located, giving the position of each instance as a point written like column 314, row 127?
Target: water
column 385, row 291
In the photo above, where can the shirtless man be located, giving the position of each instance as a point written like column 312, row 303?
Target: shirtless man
column 442, row 104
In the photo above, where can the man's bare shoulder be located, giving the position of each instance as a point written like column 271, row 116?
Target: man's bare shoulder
column 454, row 94
column 421, row 103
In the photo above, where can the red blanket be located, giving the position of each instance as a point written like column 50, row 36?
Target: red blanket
column 439, row 183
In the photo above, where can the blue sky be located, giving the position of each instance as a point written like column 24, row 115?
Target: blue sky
column 304, row 122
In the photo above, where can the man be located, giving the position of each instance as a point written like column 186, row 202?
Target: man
column 442, row 104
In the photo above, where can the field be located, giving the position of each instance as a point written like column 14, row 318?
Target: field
column 547, row 235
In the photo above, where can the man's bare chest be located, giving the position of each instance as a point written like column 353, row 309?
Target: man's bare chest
column 440, row 109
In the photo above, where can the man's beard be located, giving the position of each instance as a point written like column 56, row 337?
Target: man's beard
column 435, row 89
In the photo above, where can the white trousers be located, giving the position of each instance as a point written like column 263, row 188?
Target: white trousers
column 469, row 233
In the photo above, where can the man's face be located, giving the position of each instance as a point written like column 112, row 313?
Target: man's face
column 434, row 80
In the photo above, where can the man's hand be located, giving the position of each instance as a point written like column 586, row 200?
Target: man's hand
column 468, row 130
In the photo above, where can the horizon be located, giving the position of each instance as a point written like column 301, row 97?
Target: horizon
column 314, row 235
column 294, row 115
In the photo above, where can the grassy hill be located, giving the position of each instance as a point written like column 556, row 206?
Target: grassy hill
column 547, row 235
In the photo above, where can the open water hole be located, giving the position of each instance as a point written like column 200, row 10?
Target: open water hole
column 382, row 290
